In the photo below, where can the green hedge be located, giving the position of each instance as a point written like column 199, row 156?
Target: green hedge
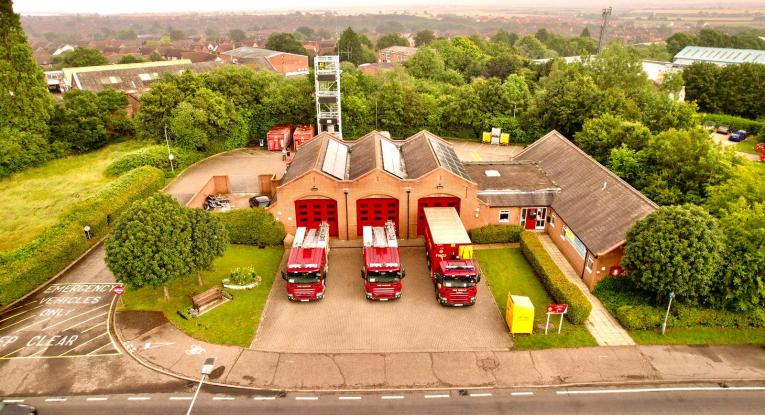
column 254, row 226
column 637, row 310
column 155, row 156
column 492, row 234
column 735, row 123
column 560, row 288
column 24, row 269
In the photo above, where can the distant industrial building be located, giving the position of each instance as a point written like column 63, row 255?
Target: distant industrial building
column 718, row 56
column 395, row 54
column 287, row 64
column 131, row 78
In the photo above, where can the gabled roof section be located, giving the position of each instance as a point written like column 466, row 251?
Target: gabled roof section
column 364, row 155
column 418, row 156
column 306, row 158
column 597, row 205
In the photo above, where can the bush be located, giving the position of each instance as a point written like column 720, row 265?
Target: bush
column 253, row 226
column 735, row 123
column 639, row 317
column 155, row 156
column 24, row 269
column 239, row 276
column 496, row 234
column 560, row 288
column 20, row 150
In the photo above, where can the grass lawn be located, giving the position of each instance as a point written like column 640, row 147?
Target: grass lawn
column 33, row 199
column 700, row 335
column 232, row 323
column 506, row 270
column 747, row 146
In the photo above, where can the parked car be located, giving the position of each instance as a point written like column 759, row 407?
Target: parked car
column 738, row 136
column 16, row 409
column 723, row 129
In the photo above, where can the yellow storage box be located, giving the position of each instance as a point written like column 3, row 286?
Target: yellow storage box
column 504, row 139
column 486, row 137
column 519, row 314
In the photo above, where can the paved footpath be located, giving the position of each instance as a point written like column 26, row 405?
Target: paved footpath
column 603, row 327
column 154, row 341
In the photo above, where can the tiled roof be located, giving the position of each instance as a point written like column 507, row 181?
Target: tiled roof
column 132, row 79
column 597, row 205
column 404, row 50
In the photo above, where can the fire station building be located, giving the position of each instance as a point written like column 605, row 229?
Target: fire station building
column 551, row 186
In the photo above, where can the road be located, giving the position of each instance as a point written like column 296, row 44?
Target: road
column 689, row 399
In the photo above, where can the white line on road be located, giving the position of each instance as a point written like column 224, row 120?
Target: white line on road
column 139, row 398
column 12, row 401
column 522, row 394
column 223, row 398
column 99, row 398
column 180, row 398
column 84, row 321
column 479, row 395
column 306, row 398
column 644, row 390
column 264, row 398
column 392, row 397
column 349, row 398
column 55, row 400
column 436, row 396
column 18, row 314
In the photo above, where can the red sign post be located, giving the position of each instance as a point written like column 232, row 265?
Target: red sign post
column 118, row 290
column 556, row 309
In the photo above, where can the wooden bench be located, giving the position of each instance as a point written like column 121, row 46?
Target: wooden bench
column 207, row 300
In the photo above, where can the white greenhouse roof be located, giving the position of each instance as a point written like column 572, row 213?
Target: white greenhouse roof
column 691, row 54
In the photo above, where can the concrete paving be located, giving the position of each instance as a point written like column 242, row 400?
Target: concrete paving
column 603, row 327
column 346, row 322
column 475, row 151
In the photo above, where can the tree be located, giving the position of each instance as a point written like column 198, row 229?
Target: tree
column 151, row 244
column 79, row 123
column 390, row 26
column 130, row 59
column 504, row 64
column 701, row 85
column 678, row 41
column 625, row 163
column 533, row 48
column 307, row 32
column 585, row 32
column 157, row 105
column 505, row 38
column 745, row 182
column 209, row 240
column 391, row 39
column 126, row 34
column 426, row 63
column 25, row 103
column 20, row 150
column 423, row 37
column 175, row 34
column 676, row 248
column 742, row 281
column 285, row 42
column 80, row 57
column 352, row 47
column 617, row 66
column 188, row 125
column 601, row 135
column 237, row 35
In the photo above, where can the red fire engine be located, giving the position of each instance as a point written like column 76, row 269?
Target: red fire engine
column 306, row 269
column 382, row 272
column 449, row 254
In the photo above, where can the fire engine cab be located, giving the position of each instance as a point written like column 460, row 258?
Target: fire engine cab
column 382, row 271
column 307, row 265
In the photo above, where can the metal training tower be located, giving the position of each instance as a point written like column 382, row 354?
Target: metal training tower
column 327, row 74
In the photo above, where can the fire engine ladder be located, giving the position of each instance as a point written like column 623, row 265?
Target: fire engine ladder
column 312, row 238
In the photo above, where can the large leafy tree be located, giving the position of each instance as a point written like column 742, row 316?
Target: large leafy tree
column 391, row 39
column 285, row 42
column 701, row 85
column 745, row 182
column 600, row 135
column 423, row 37
column 80, row 57
column 25, row 103
column 355, row 47
column 209, row 239
column 151, row 244
column 676, row 248
column 533, row 48
column 237, row 35
column 742, row 281
column 189, row 126
column 79, row 123
column 20, row 149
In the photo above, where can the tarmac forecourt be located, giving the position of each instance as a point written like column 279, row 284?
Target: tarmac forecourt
column 62, row 321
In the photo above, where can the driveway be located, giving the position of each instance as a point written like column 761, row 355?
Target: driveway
column 346, row 322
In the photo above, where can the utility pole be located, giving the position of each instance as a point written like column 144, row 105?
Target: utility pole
column 605, row 15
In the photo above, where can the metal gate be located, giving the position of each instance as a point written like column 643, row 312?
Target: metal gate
column 375, row 211
column 438, row 201
column 312, row 212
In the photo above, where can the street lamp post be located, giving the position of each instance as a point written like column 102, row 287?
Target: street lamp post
column 207, row 368
column 666, row 316
column 169, row 154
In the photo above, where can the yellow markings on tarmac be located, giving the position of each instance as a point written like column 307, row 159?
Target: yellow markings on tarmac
column 17, row 350
column 23, row 312
column 101, row 347
column 92, row 327
column 78, row 315
column 83, row 321
column 82, row 344
column 20, row 321
column 477, row 157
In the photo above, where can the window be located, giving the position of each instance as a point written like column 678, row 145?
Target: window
column 590, row 262
column 504, row 216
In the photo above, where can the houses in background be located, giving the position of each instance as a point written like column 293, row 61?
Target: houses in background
column 287, row 64
column 395, row 54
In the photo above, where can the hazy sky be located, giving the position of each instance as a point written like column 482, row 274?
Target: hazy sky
column 153, row 6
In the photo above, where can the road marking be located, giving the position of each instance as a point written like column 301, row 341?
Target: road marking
column 306, row 398
column 98, row 398
column 392, row 397
column 78, row 315
column 20, row 321
column 180, row 398
column 678, row 389
column 17, row 350
column 223, row 398
column 20, row 306
column 12, row 401
column 479, row 395
column 99, row 348
column 436, row 396
column 92, row 327
column 522, row 394
column 139, row 398
column 264, row 398
column 84, row 321
column 82, row 344
column 55, row 400
column 349, row 398
column 23, row 312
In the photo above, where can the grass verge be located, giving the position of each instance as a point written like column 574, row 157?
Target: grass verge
column 35, row 198
column 233, row 323
column 700, row 335
column 747, row 146
column 506, row 271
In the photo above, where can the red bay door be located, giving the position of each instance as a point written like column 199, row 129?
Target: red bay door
column 436, row 201
column 312, row 212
